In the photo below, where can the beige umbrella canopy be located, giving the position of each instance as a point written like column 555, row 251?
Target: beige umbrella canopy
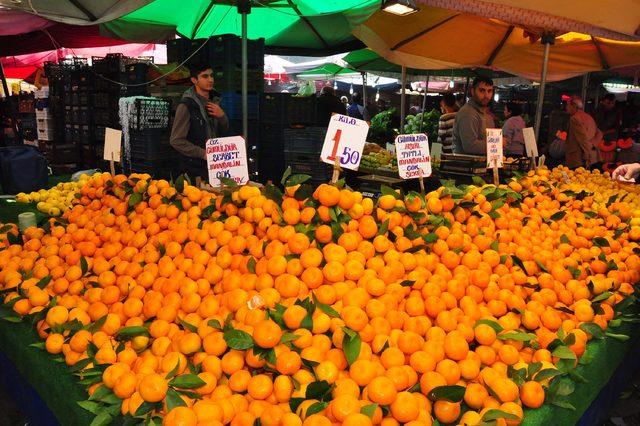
column 619, row 20
column 435, row 36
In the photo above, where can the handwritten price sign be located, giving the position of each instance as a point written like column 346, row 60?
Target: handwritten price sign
column 494, row 148
column 344, row 140
column 413, row 156
column 227, row 158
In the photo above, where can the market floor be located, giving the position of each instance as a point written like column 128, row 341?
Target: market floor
column 625, row 413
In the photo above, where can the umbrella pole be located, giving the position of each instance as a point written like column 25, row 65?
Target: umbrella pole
column 424, row 102
column 585, row 88
column 245, row 112
column 403, row 98
column 12, row 111
column 547, row 40
column 364, row 89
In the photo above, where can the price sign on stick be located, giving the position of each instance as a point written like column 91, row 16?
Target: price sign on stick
column 494, row 148
column 494, row 152
column 530, row 142
column 344, row 141
column 227, row 158
column 413, row 156
column 112, row 147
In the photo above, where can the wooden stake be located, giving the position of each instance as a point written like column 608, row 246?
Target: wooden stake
column 112, row 165
column 421, row 180
column 496, row 177
column 336, row 170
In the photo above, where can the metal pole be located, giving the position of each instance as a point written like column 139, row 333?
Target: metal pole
column 424, row 102
column 364, row 89
column 466, row 90
column 402, row 98
column 10, row 105
column 245, row 110
column 547, row 40
column 585, row 87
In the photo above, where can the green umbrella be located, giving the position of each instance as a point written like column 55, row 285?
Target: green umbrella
column 300, row 27
column 327, row 71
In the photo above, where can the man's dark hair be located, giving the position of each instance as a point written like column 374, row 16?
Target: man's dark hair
column 449, row 100
column 197, row 68
column 482, row 79
column 514, row 108
column 355, row 98
column 609, row 97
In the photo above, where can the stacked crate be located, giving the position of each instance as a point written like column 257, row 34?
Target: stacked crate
column 45, row 123
column 148, row 131
column 26, row 118
column 302, row 148
column 273, row 109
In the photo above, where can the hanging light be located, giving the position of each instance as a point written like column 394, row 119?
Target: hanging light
column 351, row 89
column 451, row 84
column 377, row 95
column 400, row 7
column 496, row 97
column 335, row 85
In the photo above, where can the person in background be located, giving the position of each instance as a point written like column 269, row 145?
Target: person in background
column 469, row 128
column 608, row 118
column 345, row 102
column 356, row 110
column 626, row 172
column 449, row 109
column 328, row 104
column 581, row 148
column 197, row 119
column 512, row 135
column 461, row 99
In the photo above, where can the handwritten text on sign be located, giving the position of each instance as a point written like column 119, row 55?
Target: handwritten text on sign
column 494, row 148
column 227, row 158
column 413, row 156
column 345, row 140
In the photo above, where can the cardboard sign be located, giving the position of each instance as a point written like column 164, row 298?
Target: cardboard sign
column 344, row 140
column 494, row 148
column 530, row 145
column 227, row 158
column 112, row 144
column 413, row 156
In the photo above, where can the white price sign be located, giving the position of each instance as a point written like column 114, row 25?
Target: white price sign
column 530, row 144
column 344, row 140
column 413, row 156
column 227, row 158
column 494, row 148
column 112, row 144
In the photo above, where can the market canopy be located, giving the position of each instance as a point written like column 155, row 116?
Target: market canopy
column 367, row 60
column 288, row 26
column 327, row 72
column 76, row 12
column 435, row 35
column 619, row 20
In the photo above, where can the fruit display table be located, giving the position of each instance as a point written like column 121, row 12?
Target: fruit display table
column 610, row 370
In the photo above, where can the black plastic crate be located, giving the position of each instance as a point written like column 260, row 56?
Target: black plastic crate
column 231, row 103
column 309, row 164
column 228, row 78
column 235, row 128
column 271, row 165
column 308, row 140
column 272, row 134
column 273, row 107
column 302, row 110
column 27, row 121
column 104, row 100
column 76, row 136
column 227, row 49
column 98, row 134
column 68, row 133
column 88, row 155
column 136, row 73
column 150, row 114
column 111, row 64
column 178, row 49
column 60, row 153
column 149, row 146
column 86, row 135
column 105, row 117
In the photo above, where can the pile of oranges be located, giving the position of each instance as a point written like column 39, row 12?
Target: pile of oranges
column 319, row 306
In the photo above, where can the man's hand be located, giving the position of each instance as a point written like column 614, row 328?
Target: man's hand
column 214, row 110
column 626, row 172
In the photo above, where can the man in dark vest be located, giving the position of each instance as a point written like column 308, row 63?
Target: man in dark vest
column 198, row 118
